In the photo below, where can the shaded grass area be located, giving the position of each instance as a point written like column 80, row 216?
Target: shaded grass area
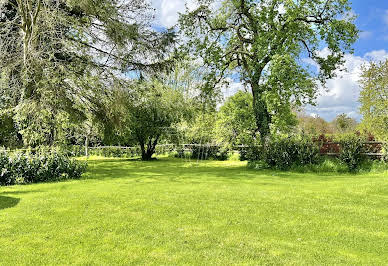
column 183, row 212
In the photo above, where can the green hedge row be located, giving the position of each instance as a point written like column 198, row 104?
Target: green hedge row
column 21, row 167
column 297, row 151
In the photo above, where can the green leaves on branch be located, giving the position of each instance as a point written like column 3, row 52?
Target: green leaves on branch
column 374, row 99
column 265, row 42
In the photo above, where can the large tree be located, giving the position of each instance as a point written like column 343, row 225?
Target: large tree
column 265, row 42
column 374, row 99
column 65, row 54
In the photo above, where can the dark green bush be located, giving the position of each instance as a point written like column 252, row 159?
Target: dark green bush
column 251, row 153
column 283, row 153
column 352, row 151
column 22, row 167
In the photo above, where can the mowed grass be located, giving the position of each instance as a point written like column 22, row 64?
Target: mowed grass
column 183, row 212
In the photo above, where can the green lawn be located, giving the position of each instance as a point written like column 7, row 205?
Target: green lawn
column 180, row 212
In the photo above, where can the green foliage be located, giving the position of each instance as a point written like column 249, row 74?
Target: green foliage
column 252, row 152
column 283, row 153
column 352, row 150
column 344, row 124
column 385, row 152
column 115, row 152
column 202, row 128
column 205, row 152
column 264, row 41
column 236, row 120
column 374, row 99
column 148, row 112
column 8, row 132
column 64, row 57
column 286, row 152
column 310, row 125
column 23, row 167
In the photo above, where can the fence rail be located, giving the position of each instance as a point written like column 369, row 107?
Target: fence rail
column 331, row 148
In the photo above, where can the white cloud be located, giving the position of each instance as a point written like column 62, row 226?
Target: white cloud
column 342, row 93
column 377, row 55
column 168, row 10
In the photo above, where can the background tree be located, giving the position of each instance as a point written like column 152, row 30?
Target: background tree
column 236, row 120
column 343, row 123
column 150, row 111
column 374, row 99
column 264, row 42
column 313, row 125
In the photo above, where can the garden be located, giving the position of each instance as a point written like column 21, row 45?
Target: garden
column 126, row 142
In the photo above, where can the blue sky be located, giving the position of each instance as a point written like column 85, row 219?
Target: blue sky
column 342, row 93
column 373, row 21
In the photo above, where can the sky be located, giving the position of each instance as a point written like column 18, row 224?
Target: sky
column 342, row 93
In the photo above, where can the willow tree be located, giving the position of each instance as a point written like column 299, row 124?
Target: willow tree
column 266, row 43
column 65, row 55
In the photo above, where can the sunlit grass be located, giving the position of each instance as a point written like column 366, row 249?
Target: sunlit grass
column 188, row 212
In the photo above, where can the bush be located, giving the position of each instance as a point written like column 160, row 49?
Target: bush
column 251, row 153
column 209, row 152
column 22, row 167
column 283, row 153
column 352, row 151
column 384, row 150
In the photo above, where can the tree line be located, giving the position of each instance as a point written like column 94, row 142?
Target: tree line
column 94, row 72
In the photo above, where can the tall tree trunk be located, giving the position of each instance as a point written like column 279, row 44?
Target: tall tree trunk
column 146, row 154
column 87, row 145
column 262, row 116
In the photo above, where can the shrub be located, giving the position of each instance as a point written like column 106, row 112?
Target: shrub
column 384, row 150
column 352, row 151
column 251, row 153
column 209, row 152
column 283, row 153
column 22, row 167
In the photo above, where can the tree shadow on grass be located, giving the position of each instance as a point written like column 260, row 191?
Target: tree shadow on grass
column 180, row 170
column 8, row 202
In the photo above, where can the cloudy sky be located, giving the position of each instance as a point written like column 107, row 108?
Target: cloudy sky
column 342, row 93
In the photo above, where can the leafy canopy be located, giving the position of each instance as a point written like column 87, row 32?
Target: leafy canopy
column 66, row 55
column 374, row 99
column 264, row 42
column 236, row 120
column 148, row 112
